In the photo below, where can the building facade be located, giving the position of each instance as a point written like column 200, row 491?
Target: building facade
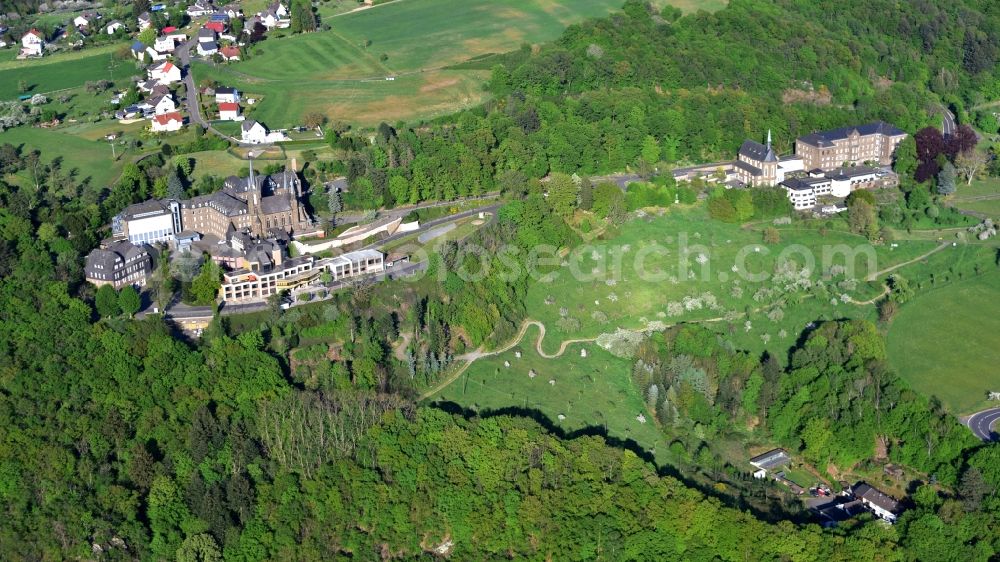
column 118, row 264
column 873, row 142
column 250, row 284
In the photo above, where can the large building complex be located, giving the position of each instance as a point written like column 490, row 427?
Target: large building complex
column 259, row 282
column 260, row 204
column 874, row 142
column 758, row 165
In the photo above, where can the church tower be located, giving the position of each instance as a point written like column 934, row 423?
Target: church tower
column 253, row 202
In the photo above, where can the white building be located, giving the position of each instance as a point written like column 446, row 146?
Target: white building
column 804, row 191
column 226, row 95
column 145, row 21
column 165, row 73
column 253, row 132
column 167, row 123
column 83, row 20
column 249, row 285
column 32, row 44
column 165, row 44
column 879, row 503
column 200, row 9
column 207, row 48
column 113, row 27
column 229, row 111
column 163, row 104
column 147, row 223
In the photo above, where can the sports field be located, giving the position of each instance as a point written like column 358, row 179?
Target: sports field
column 342, row 72
column 944, row 343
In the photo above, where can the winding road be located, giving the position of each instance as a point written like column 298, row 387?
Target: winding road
column 982, row 424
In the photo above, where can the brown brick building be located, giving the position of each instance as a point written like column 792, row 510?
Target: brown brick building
column 826, row 150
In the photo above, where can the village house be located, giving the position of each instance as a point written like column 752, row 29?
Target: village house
column 119, row 264
column 32, row 44
column 85, row 20
column 253, row 132
column 225, row 94
column 167, row 122
column 114, row 27
column 229, row 111
column 230, row 53
column 200, row 8
column 216, row 26
column 878, row 502
column 873, row 142
column 771, row 461
column 165, row 73
column 162, row 104
column 275, row 16
column 207, row 48
column 145, row 21
column 165, row 44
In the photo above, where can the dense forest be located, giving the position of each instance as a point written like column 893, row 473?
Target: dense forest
column 296, row 436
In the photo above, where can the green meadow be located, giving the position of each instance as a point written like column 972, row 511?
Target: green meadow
column 342, row 73
column 944, row 342
column 61, row 71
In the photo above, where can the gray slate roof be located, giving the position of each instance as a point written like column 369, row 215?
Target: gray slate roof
column 756, row 151
column 827, row 138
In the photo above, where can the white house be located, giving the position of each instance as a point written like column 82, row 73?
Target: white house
column 163, row 104
column 168, row 122
column 207, row 48
column 113, row 27
column 165, row 73
column 145, row 21
column 276, row 15
column 156, row 56
column 32, row 44
column 881, row 504
column 253, row 132
column 229, row 111
column 82, row 20
column 199, row 9
column 230, row 53
column 226, row 95
column 206, row 35
column 165, row 44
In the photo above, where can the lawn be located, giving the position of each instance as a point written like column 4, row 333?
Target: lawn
column 81, row 147
column 944, row 342
column 590, row 392
column 600, row 287
column 342, row 73
column 61, row 71
column 982, row 196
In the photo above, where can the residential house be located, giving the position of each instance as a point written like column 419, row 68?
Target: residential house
column 229, row 111
column 138, row 50
column 167, row 123
column 224, row 94
column 85, row 20
column 165, row 73
column 771, row 461
column 253, row 132
column 206, row 35
column 207, row 48
column 233, row 11
column 873, row 142
column 114, row 27
column 168, row 30
column 163, row 104
column 878, row 502
column 145, row 21
column 200, row 8
column 216, row 26
column 164, row 44
column 276, row 15
column 32, row 44
column 230, row 53
column 118, row 264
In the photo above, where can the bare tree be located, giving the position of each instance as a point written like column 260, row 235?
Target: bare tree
column 969, row 162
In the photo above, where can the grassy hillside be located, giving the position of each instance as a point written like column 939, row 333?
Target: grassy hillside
column 341, row 73
column 59, row 72
column 945, row 345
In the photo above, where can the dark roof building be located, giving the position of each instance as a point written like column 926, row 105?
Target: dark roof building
column 881, row 504
column 874, row 142
column 771, row 460
column 118, row 264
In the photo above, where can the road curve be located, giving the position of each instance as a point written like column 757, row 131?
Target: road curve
column 981, row 424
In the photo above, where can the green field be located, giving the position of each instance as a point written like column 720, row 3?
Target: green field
column 983, row 196
column 582, row 303
column 341, row 74
column 62, row 71
column 945, row 342
column 593, row 391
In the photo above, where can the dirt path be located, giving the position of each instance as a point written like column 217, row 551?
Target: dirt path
column 878, row 274
column 873, row 300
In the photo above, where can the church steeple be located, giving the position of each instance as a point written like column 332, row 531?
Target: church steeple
column 769, row 139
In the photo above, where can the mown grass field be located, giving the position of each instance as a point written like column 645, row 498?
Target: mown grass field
column 594, row 391
column 341, row 73
column 61, row 71
column 983, row 196
column 590, row 296
column 944, row 342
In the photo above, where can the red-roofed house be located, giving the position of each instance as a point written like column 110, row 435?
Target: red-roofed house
column 32, row 44
column 230, row 53
column 167, row 122
column 216, row 26
column 229, row 111
column 165, row 73
column 168, row 30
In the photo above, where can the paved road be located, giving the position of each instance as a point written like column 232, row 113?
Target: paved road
column 191, row 98
column 981, row 424
column 949, row 126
